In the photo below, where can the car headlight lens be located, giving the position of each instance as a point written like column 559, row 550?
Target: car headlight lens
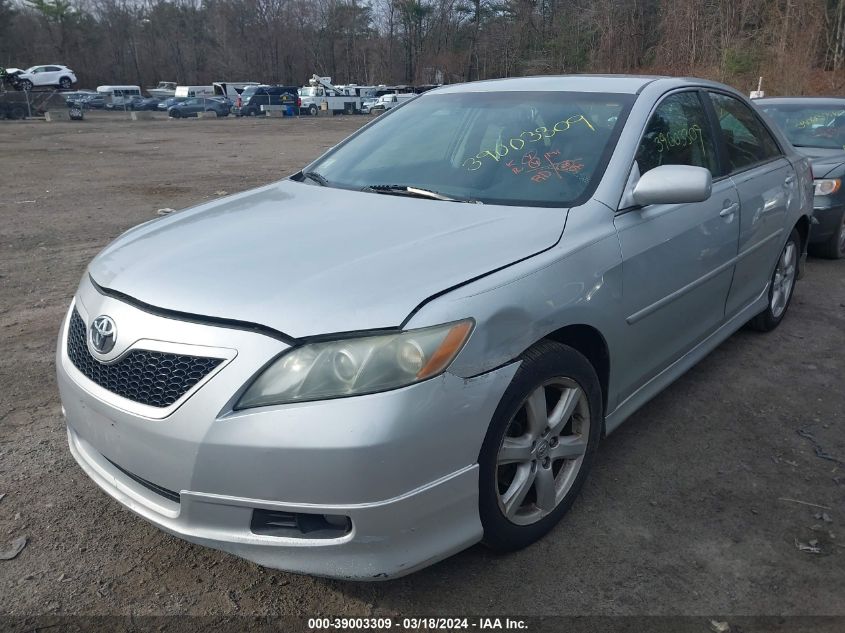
column 356, row 366
column 826, row 186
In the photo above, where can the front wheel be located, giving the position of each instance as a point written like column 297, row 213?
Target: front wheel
column 312, row 110
column 65, row 83
column 781, row 286
column 26, row 84
column 539, row 447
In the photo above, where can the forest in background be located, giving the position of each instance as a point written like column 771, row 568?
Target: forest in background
column 798, row 46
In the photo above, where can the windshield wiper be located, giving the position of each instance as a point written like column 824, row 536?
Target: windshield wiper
column 416, row 192
column 316, row 177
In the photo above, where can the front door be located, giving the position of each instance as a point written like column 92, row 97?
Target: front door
column 677, row 259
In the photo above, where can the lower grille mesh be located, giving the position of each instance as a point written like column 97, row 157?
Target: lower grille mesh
column 156, row 379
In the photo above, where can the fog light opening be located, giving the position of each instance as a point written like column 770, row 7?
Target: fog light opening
column 299, row 524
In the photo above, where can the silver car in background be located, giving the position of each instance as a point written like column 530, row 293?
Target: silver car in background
column 416, row 343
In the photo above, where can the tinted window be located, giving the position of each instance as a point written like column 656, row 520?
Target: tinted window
column 520, row 148
column 747, row 140
column 678, row 134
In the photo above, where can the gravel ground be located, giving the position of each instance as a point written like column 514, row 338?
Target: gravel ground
column 686, row 512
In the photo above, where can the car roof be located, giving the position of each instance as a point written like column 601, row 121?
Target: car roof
column 626, row 84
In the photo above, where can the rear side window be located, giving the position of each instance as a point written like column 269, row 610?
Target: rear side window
column 678, row 134
column 747, row 140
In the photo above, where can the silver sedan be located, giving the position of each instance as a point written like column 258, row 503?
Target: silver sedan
column 417, row 342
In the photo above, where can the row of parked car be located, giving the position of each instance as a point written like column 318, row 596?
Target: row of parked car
column 248, row 103
column 174, row 106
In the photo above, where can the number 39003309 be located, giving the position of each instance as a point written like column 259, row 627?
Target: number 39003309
column 516, row 143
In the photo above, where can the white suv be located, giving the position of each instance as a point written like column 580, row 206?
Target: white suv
column 59, row 76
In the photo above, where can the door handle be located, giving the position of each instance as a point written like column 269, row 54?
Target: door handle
column 789, row 180
column 729, row 210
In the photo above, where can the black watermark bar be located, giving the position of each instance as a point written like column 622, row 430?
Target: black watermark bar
column 457, row 623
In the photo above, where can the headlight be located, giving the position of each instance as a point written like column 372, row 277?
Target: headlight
column 826, row 187
column 356, row 366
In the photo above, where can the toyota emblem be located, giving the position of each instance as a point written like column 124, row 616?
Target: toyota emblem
column 103, row 334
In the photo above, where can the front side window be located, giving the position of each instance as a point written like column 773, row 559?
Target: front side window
column 747, row 140
column 678, row 134
column 516, row 148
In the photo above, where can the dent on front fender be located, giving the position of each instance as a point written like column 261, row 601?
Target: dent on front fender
column 577, row 282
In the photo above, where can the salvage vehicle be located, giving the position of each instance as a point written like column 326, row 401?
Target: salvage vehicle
column 163, row 90
column 417, row 342
column 54, row 75
column 251, row 100
column 816, row 126
column 191, row 107
column 171, row 101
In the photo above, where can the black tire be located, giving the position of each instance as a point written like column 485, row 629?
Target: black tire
column 26, row 84
column 174, row 114
column 834, row 247
column 770, row 318
column 312, row 110
column 251, row 112
column 544, row 362
column 65, row 83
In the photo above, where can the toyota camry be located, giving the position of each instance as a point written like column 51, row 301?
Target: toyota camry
column 417, row 342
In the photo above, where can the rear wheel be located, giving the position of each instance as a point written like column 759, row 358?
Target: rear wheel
column 539, row 446
column 834, row 247
column 65, row 83
column 781, row 286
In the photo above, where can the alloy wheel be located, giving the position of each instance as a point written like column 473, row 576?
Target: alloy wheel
column 784, row 279
column 542, row 451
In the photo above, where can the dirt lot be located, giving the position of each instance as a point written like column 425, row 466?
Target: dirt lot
column 684, row 513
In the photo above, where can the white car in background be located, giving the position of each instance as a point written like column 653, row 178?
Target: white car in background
column 53, row 75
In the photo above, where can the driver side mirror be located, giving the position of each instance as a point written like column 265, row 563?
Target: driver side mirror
column 673, row 184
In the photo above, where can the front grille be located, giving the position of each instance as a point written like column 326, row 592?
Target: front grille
column 163, row 492
column 156, row 379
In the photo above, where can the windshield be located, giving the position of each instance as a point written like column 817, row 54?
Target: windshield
column 517, row 148
column 248, row 92
column 308, row 92
column 810, row 125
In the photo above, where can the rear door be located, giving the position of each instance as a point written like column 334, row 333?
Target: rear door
column 767, row 187
column 677, row 258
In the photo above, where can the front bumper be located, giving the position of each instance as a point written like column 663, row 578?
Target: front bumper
column 827, row 218
column 401, row 465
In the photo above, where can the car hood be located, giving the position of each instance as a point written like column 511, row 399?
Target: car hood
column 307, row 260
column 824, row 161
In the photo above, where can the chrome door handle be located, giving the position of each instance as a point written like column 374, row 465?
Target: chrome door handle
column 789, row 180
column 729, row 210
